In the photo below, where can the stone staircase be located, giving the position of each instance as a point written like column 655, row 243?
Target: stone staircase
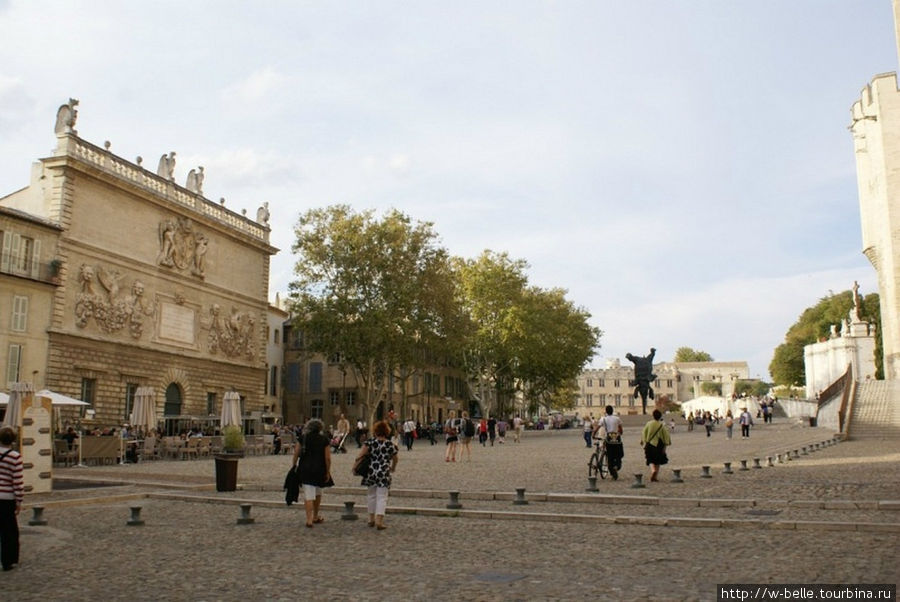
column 876, row 414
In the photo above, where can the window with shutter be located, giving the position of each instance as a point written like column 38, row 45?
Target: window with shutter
column 19, row 321
column 13, row 364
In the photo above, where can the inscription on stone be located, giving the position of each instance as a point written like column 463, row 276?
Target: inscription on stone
column 176, row 323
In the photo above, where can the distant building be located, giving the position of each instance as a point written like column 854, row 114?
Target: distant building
column 323, row 387
column 678, row 382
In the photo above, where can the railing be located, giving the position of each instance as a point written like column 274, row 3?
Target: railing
column 137, row 175
column 45, row 272
column 843, row 386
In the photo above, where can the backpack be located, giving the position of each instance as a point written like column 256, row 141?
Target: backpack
column 469, row 428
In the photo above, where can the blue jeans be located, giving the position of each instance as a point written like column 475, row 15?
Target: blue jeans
column 587, row 438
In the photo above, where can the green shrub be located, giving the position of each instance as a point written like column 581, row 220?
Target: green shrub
column 233, row 438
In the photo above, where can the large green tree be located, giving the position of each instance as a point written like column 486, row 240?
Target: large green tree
column 523, row 338
column 815, row 324
column 377, row 293
column 687, row 354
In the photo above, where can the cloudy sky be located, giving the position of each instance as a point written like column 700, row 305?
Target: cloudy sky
column 682, row 168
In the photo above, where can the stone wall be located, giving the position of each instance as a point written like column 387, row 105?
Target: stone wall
column 114, row 366
column 875, row 124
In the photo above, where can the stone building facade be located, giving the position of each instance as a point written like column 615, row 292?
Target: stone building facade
column 157, row 285
column 316, row 386
column 875, row 125
column 28, row 280
column 679, row 382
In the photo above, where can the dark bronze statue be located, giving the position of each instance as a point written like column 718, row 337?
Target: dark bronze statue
column 643, row 376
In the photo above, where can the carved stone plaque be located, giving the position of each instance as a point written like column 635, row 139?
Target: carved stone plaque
column 176, row 323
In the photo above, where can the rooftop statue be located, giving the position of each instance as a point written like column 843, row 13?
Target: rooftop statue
column 166, row 167
column 262, row 214
column 195, row 180
column 65, row 118
column 643, row 376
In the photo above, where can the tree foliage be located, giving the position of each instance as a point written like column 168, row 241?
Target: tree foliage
column 382, row 295
column 814, row 324
column 686, row 354
column 711, row 388
column 376, row 292
column 752, row 387
column 522, row 338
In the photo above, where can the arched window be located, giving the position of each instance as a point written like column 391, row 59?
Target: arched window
column 173, row 400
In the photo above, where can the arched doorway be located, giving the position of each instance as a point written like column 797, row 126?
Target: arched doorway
column 172, row 407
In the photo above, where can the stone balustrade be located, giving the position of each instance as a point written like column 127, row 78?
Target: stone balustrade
column 138, row 176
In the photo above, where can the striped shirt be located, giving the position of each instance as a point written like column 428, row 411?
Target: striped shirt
column 12, row 482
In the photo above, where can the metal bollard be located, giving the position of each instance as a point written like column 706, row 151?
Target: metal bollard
column 704, row 472
column 769, row 462
column 245, row 519
column 780, row 459
column 454, row 501
column 592, row 485
column 796, row 455
column 787, row 456
column 676, row 476
column 37, row 518
column 803, row 451
column 349, row 513
column 743, row 465
column 756, row 463
column 135, row 520
column 727, row 468
column 638, row 481
column 520, row 497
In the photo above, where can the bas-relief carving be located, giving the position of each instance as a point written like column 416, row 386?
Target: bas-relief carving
column 182, row 247
column 234, row 336
column 110, row 309
column 66, row 116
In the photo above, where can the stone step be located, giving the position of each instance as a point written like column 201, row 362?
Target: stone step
column 875, row 410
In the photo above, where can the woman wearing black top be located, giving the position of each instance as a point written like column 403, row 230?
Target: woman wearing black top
column 314, row 454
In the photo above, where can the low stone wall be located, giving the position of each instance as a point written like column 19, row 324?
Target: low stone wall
column 799, row 408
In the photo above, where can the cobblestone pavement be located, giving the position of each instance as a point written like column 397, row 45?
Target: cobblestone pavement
column 195, row 550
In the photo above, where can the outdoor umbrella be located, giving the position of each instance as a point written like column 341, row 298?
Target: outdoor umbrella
column 58, row 399
column 231, row 409
column 17, row 392
column 143, row 414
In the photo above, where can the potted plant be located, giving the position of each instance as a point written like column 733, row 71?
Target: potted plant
column 55, row 267
column 227, row 462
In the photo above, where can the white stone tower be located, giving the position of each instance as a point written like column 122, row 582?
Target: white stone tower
column 875, row 124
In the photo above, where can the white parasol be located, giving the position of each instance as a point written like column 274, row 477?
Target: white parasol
column 58, row 399
column 231, row 409
column 143, row 414
column 17, row 392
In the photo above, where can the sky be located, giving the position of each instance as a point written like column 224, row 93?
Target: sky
column 683, row 169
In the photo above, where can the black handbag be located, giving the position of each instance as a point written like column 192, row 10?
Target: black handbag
column 362, row 465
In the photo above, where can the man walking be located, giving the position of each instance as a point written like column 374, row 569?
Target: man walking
column 746, row 420
column 409, row 429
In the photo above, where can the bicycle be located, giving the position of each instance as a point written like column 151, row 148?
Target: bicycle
column 598, row 464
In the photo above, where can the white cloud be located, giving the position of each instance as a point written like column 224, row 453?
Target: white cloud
column 260, row 87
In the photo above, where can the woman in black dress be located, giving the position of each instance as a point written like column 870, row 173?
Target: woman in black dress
column 313, row 451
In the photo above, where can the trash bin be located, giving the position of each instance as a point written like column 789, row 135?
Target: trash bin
column 226, row 473
column 812, row 421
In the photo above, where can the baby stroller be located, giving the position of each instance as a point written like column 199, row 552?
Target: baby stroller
column 337, row 443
